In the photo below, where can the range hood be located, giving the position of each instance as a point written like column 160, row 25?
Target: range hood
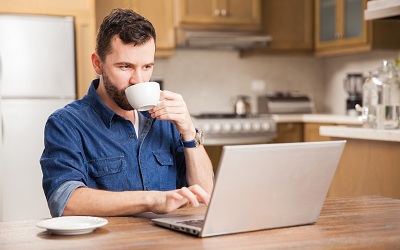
column 382, row 9
column 239, row 40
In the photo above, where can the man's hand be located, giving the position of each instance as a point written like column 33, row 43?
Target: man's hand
column 171, row 200
column 173, row 108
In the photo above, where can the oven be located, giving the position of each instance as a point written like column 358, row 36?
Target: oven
column 229, row 129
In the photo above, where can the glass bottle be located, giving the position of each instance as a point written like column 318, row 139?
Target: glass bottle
column 370, row 93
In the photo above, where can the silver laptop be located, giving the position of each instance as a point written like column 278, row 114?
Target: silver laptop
column 264, row 186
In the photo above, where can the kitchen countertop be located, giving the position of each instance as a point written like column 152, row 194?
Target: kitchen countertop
column 317, row 118
column 348, row 130
column 361, row 133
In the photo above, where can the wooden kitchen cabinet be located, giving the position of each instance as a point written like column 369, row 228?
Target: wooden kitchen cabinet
column 289, row 132
column 290, row 24
column 340, row 28
column 311, row 132
column 159, row 12
column 367, row 167
column 218, row 14
column 84, row 19
column 303, row 131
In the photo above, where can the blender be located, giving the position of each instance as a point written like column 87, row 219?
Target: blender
column 353, row 84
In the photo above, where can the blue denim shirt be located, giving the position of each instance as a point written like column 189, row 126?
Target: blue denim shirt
column 87, row 144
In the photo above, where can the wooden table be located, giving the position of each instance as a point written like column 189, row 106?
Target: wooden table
column 368, row 222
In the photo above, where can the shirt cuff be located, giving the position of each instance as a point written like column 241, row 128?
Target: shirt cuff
column 59, row 198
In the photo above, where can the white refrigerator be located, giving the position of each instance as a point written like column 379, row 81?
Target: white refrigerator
column 37, row 76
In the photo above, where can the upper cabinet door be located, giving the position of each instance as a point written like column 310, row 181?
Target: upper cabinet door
column 340, row 24
column 353, row 18
column 340, row 29
column 326, row 14
column 217, row 14
column 159, row 12
column 290, row 24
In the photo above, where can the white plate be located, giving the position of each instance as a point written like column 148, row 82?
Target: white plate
column 72, row 225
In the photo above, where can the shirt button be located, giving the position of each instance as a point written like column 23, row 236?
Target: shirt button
column 131, row 136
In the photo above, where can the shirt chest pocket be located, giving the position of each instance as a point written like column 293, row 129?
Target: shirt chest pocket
column 166, row 170
column 109, row 173
column 163, row 157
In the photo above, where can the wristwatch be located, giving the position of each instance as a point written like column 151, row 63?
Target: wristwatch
column 197, row 141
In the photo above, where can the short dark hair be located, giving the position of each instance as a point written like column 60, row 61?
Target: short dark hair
column 128, row 25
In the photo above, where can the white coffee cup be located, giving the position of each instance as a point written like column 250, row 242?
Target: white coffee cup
column 143, row 96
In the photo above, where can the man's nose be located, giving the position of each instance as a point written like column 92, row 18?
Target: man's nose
column 136, row 77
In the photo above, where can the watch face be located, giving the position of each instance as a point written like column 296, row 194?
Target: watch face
column 199, row 137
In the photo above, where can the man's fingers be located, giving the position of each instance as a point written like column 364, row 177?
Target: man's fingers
column 201, row 194
column 191, row 197
column 175, row 195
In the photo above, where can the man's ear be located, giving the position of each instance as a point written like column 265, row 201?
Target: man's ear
column 96, row 63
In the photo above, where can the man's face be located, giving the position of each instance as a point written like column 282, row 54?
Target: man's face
column 124, row 66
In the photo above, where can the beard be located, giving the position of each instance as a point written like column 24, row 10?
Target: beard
column 118, row 95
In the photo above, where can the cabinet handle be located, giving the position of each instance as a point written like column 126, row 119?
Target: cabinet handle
column 338, row 35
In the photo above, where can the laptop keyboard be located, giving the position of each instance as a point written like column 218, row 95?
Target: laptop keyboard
column 194, row 223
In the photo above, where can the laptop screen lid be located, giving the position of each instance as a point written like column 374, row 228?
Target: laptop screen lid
column 266, row 186
column 271, row 185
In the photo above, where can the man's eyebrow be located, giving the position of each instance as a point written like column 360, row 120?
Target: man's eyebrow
column 123, row 63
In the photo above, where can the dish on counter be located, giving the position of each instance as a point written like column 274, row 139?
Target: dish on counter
column 72, row 225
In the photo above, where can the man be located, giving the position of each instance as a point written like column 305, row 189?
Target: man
column 102, row 158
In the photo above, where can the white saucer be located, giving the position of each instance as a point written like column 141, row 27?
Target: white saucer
column 72, row 225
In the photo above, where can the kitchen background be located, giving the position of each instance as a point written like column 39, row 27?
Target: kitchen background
column 209, row 79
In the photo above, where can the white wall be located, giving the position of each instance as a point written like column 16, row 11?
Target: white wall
column 209, row 79
column 336, row 69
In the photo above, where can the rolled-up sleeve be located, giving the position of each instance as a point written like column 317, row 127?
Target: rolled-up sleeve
column 59, row 198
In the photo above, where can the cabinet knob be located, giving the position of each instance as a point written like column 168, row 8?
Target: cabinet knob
column 224, row 12
column 219, row 12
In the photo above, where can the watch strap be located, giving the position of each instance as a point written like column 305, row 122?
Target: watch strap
column 197, row 141
column 188, row 144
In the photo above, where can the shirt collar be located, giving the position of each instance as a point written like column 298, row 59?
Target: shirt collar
column 104, row 112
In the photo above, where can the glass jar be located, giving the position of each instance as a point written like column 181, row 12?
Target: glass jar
column 386, row 95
